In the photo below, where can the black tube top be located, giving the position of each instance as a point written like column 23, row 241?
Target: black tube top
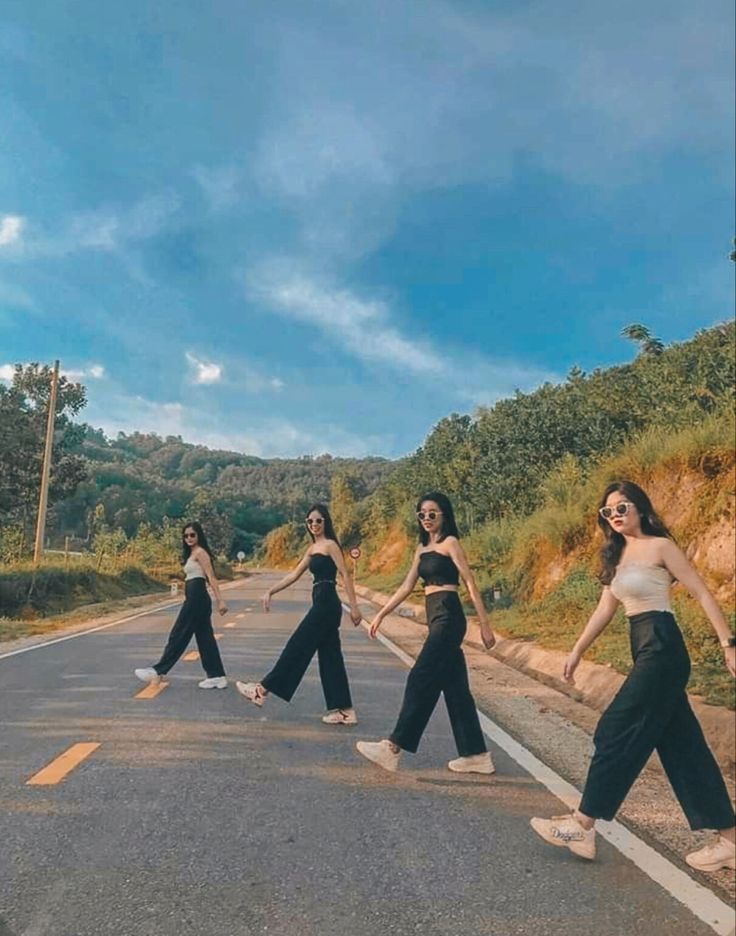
column 436, row 569
column 322, row 567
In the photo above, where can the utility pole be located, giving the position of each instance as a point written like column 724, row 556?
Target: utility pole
column 46, row 471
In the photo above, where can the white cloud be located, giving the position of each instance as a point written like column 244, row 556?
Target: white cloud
column 107, row 229
column 362, row 327
column 121, row 412
column 93, row 372
column 11, row 227
column 264, row 437
column 205, row 372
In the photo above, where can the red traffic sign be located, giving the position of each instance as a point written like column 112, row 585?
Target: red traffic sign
column 355, row 553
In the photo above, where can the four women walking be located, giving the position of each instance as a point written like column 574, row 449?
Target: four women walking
column 650, row 712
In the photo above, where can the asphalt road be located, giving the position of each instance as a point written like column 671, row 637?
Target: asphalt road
column 201, row 814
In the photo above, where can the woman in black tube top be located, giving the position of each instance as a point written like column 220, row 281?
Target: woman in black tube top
column 440, row 667
column 319, row 631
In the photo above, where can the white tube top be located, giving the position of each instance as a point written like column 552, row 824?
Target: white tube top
column 642, row 587
column 193, row 569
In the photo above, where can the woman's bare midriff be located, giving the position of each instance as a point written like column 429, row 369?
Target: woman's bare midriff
column 433, row 589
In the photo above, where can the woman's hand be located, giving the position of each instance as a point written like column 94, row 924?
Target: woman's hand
column 266, row 601
column 571, row 664
column 222, row 607
column 729, row 654
column 355, row 616
column 375, row 624
column 487, row 635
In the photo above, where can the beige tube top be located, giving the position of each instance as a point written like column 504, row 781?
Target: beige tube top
column 642, row 587
column 193, row 569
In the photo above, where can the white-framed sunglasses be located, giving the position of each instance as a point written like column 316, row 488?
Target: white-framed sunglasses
column 618, row 510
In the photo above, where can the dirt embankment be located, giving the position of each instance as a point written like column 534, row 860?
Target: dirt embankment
column 699, row 506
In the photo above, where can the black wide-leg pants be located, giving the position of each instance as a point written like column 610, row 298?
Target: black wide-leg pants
column 194, row 619
column 440, row 669
column 651, row 712
column 318, row 632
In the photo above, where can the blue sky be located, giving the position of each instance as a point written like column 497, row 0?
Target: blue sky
column 287, row 226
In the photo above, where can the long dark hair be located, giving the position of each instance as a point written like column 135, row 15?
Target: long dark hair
column 651, row 525
column 449, row 526
column 328, row 529
column 186, row 549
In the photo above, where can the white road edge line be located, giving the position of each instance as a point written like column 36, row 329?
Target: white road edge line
column 699, row 900
column 101, row 627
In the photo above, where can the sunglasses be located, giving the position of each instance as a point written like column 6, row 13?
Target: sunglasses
column 190, row 536
column 315, row 522
column 618, row 510
column 428, row 514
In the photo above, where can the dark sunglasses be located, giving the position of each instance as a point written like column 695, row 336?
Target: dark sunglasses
column 428, row 514
column 618, row 510
column 315, row 522
column 190, row 536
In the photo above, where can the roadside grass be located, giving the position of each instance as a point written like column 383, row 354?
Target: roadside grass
column 33, row 600
column 14, row 628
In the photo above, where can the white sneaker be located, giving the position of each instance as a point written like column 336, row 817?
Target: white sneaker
column 148, row 674
column 720, row 854
column 214, row 682
column 341, row 717
column 475, row 763
column 566, row 832
column 253, row 692
column 381, row 753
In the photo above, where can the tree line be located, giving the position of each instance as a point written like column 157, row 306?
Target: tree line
column 118, row 489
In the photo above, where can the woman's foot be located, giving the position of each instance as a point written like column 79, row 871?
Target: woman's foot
column 566, row 832
column 148, row 674
column 214, row 682
column 253, row 692
column 340, row 716
column 474, row 763
column 383, row 753
column 717, row 855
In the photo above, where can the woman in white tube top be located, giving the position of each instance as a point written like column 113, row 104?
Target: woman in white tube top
column 651, row 710
column 195, row 615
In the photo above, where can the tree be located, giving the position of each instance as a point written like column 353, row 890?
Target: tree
column 347, row 489
column 23, row 414
column 640, row 334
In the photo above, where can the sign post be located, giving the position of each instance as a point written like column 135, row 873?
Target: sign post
column 355, row 555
